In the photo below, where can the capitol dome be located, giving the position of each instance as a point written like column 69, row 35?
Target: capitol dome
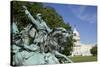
column 76, row 34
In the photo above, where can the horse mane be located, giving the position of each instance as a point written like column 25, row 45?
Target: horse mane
column 52, row 42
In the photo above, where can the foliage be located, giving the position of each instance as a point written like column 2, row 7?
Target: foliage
column 94, row 51
column 49, row 14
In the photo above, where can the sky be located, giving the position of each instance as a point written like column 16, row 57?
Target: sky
column 83, row 17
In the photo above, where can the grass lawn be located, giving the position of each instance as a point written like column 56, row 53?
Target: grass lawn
column 83, row 58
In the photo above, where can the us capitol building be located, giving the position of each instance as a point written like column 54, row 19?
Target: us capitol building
column 79, row 48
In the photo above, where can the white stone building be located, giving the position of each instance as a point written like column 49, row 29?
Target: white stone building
column 79, row 48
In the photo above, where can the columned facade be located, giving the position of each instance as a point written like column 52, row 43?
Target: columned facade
column 79, row 48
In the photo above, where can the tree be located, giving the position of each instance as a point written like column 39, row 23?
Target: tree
column 94, row 51
column 49, row 14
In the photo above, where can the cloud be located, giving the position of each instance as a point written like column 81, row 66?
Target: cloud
column 81, row 13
